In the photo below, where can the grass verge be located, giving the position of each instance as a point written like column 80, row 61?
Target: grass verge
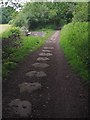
column 74, row 41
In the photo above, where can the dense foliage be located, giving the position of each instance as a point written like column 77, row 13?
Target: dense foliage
column 37, row 14
column 6, row 14
column 81, row 12
column 74, row 40
column 43, row 13
column 12, row 31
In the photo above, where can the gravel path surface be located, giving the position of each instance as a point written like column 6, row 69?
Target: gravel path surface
column 49, row 89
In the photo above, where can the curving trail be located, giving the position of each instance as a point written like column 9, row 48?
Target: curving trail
column 44, row 86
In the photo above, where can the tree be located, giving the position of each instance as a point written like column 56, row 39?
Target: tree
column 6, row 13
column 63, row 13
column 33, row 14
column 37, row 14
column 81, row 12
column 20, row 19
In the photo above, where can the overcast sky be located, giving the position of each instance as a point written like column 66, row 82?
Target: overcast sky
column 23, row 1
column 16, row 0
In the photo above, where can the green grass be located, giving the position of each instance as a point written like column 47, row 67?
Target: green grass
column 74, row 41
column 28, row 44
column 4, row 27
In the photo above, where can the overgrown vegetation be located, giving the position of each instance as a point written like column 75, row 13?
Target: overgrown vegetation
column 6, row 14
column 74, row 40
column 15, row 47
column 37, row 14
column 11, row 31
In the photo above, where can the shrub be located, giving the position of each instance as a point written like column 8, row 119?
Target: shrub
column 10, row 32
column 10, row 41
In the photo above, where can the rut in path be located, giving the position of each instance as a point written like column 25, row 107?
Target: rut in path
column 44, row 86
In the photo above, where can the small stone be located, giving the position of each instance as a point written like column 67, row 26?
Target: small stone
column 42, row 59
column 46, row 50
column 44, row 105
column 50, row 48
column 24, row 108
column 29, row 87
column 45, row 54
column 31, row 73
column 40, row 65
column 36, row 74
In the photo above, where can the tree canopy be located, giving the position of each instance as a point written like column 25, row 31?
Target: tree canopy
column 81, row 12
column 36, row 13
column 6, row 14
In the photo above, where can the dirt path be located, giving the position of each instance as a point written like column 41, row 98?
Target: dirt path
column 56, row 93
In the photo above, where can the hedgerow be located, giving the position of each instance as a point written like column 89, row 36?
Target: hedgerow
column 74, row 41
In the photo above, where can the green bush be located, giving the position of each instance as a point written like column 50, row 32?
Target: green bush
column 10, row 32
column 10, row 39
column 74, row 41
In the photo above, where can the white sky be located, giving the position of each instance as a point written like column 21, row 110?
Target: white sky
column 23, row 1
column 57, row 0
